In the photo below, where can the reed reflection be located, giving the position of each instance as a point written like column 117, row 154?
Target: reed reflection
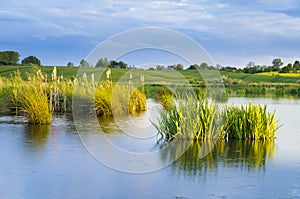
column 36, row 135
column 243, row 154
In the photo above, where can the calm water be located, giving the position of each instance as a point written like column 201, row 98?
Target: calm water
column 50, row 162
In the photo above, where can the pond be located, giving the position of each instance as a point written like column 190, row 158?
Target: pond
column 50, row 162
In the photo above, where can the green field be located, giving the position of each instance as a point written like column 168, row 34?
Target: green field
column 161, row 77
column 262, row 77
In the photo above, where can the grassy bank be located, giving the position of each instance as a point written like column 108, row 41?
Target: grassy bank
column 156, row 76
column 40, row 95
column 236, row 83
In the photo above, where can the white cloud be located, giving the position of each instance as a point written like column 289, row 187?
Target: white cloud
column 228, row 21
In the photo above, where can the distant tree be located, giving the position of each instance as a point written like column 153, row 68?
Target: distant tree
column 31, row 60
column 178, row 66
column 203, row 65
column 250, row 64
column 102, row 63
column 277, row 63
column 286, row 69
column 122, row 64
column 160, row 67
column 151, row 68
column 296, row 65
column 170, row 67
column 229, row 69
column 9, row 57
column 194, row 67
column 84, row 63
column 218, row 66
column 211, row 67
column 114, row 64
column 70, row 64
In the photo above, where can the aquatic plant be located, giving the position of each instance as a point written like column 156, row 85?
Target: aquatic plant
column 250, row 122
column 27, row 98
column 34, row 103
column 112, row 100
column 190, row 118
column 200, row 119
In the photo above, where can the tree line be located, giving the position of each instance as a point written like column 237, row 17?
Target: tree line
column 13, row 57
column 277, row 66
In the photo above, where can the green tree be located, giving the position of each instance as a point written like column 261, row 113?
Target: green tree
column 9, row 57
column 160, row 67
column 250, row 64
column 296, row 65
column 70, row 64
column 171, row 67
column 122, row 64
column 203, row 65
column 31, row 60
column 114, row 64
column 102, row 63
column 178, row 66
column 277, row 63
column 194, row 67
column 286, row 69
column 84, row 63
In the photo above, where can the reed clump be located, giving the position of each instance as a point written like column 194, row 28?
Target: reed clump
column 28, row 98
column 201, row 119
column 114, row 100
column 189, row 118
column 39, row 97
column 250, row 122
column 34, row 103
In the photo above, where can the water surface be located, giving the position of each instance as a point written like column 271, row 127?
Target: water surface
column 50, row 162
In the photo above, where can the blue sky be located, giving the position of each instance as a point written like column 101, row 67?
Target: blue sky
column 233, row 32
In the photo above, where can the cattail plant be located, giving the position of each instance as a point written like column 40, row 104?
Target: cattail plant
column 54, row 74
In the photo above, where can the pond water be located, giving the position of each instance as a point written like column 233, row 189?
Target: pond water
column 50, row 162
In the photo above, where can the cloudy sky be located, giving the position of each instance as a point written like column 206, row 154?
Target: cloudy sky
column 232, row 32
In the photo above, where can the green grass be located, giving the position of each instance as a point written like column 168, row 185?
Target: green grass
column 251, row 122
column 163, row 77
column 191, row 118
column 113, row 100
column 28, row 98
column 39, row 94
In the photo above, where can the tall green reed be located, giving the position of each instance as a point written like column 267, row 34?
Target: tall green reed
column 199, row 119
column 28, row 98
column 190, row 118
column 250, row 122
column 113, row 100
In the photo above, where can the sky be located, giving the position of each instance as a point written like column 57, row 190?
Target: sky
column 232, row 32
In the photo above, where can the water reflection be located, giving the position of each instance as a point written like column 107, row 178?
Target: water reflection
column 241, row 154
column 36, row 135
